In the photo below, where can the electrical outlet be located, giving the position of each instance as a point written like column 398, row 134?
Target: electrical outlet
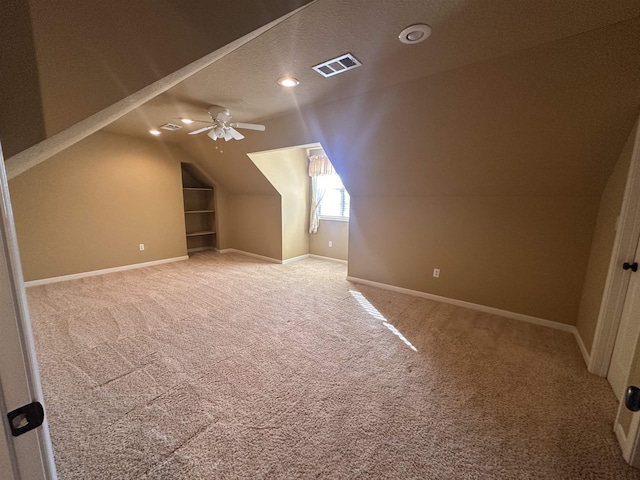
column 330, row 244
column 141, row 246
column 436, row 272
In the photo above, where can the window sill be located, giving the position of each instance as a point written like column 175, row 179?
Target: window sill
column 335, row 219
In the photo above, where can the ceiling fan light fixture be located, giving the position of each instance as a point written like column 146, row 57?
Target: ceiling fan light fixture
column 212, row 135
column 288, row 82
column 221, row 126
column 216, row 133
column 415, row 33
column 155, row 132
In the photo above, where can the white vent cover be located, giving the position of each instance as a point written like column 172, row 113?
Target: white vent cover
column 171, row 127
column 337, row 65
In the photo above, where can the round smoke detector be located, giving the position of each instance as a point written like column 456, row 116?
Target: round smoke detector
column 415, row 33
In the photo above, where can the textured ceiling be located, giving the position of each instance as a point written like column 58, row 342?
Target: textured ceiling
column 101, row 52
column 61, row 66
column 464, row 32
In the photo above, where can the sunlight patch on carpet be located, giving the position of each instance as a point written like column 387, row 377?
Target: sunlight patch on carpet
column 375, row 313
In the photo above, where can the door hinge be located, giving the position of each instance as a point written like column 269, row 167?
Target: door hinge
column 25, row 418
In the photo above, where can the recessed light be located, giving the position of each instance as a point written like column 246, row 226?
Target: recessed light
column 288, row 82
column 155, row 132
column 186, row 120
column 415, row 33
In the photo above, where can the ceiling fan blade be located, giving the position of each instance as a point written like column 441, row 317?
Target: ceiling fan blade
column 249, row 126
column 234, row 134
column 199, row 121
column 200, row 130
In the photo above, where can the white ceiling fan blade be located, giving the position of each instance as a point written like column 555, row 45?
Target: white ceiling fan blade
column 249, row 126
column 200, row 130
column 234, row 134
column 200, row 121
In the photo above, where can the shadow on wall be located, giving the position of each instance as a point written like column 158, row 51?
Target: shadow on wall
column 21, row 119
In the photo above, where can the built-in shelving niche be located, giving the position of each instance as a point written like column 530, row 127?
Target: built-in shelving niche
column 199, row 209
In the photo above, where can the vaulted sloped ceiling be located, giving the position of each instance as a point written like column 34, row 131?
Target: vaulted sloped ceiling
column 504, row 98
column 65, row 61
column 550, row 120
column 464, row 32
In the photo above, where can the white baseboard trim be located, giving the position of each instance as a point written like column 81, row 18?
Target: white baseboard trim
column 104, row 271
column 275, row 260
column 473, row 306
column 249, row 254
column 311, row 255
column 295, row 259
column 582, row 347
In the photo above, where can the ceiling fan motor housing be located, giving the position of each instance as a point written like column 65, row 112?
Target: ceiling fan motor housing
column 215, row 110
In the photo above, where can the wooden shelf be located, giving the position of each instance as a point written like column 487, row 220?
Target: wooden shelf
column 197, row 234
column 198, row 197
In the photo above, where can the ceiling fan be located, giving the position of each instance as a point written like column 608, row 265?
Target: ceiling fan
column 222, row 127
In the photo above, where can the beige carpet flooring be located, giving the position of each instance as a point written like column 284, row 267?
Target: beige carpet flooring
column 224, row 366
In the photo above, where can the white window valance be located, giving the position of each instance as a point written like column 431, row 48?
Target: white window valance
column 320, row 165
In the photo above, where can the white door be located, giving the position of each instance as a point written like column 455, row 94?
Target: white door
column 609, row 328
column 624, row 370
column 628, row 332
column 626, row 425
column 29, row 455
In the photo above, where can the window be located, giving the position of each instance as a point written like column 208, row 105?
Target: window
column 335, row 201
column 329, row 199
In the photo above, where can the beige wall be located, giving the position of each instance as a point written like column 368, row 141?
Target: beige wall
column 521, row 254
column 255, row 224
column 92, row 205
column 222, row 218
column 602, row 245
column 287, row 171
column 334, row 231
column 21, row 119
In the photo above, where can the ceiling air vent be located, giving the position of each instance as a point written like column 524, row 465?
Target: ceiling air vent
column 337, row 65
column 171, row 127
